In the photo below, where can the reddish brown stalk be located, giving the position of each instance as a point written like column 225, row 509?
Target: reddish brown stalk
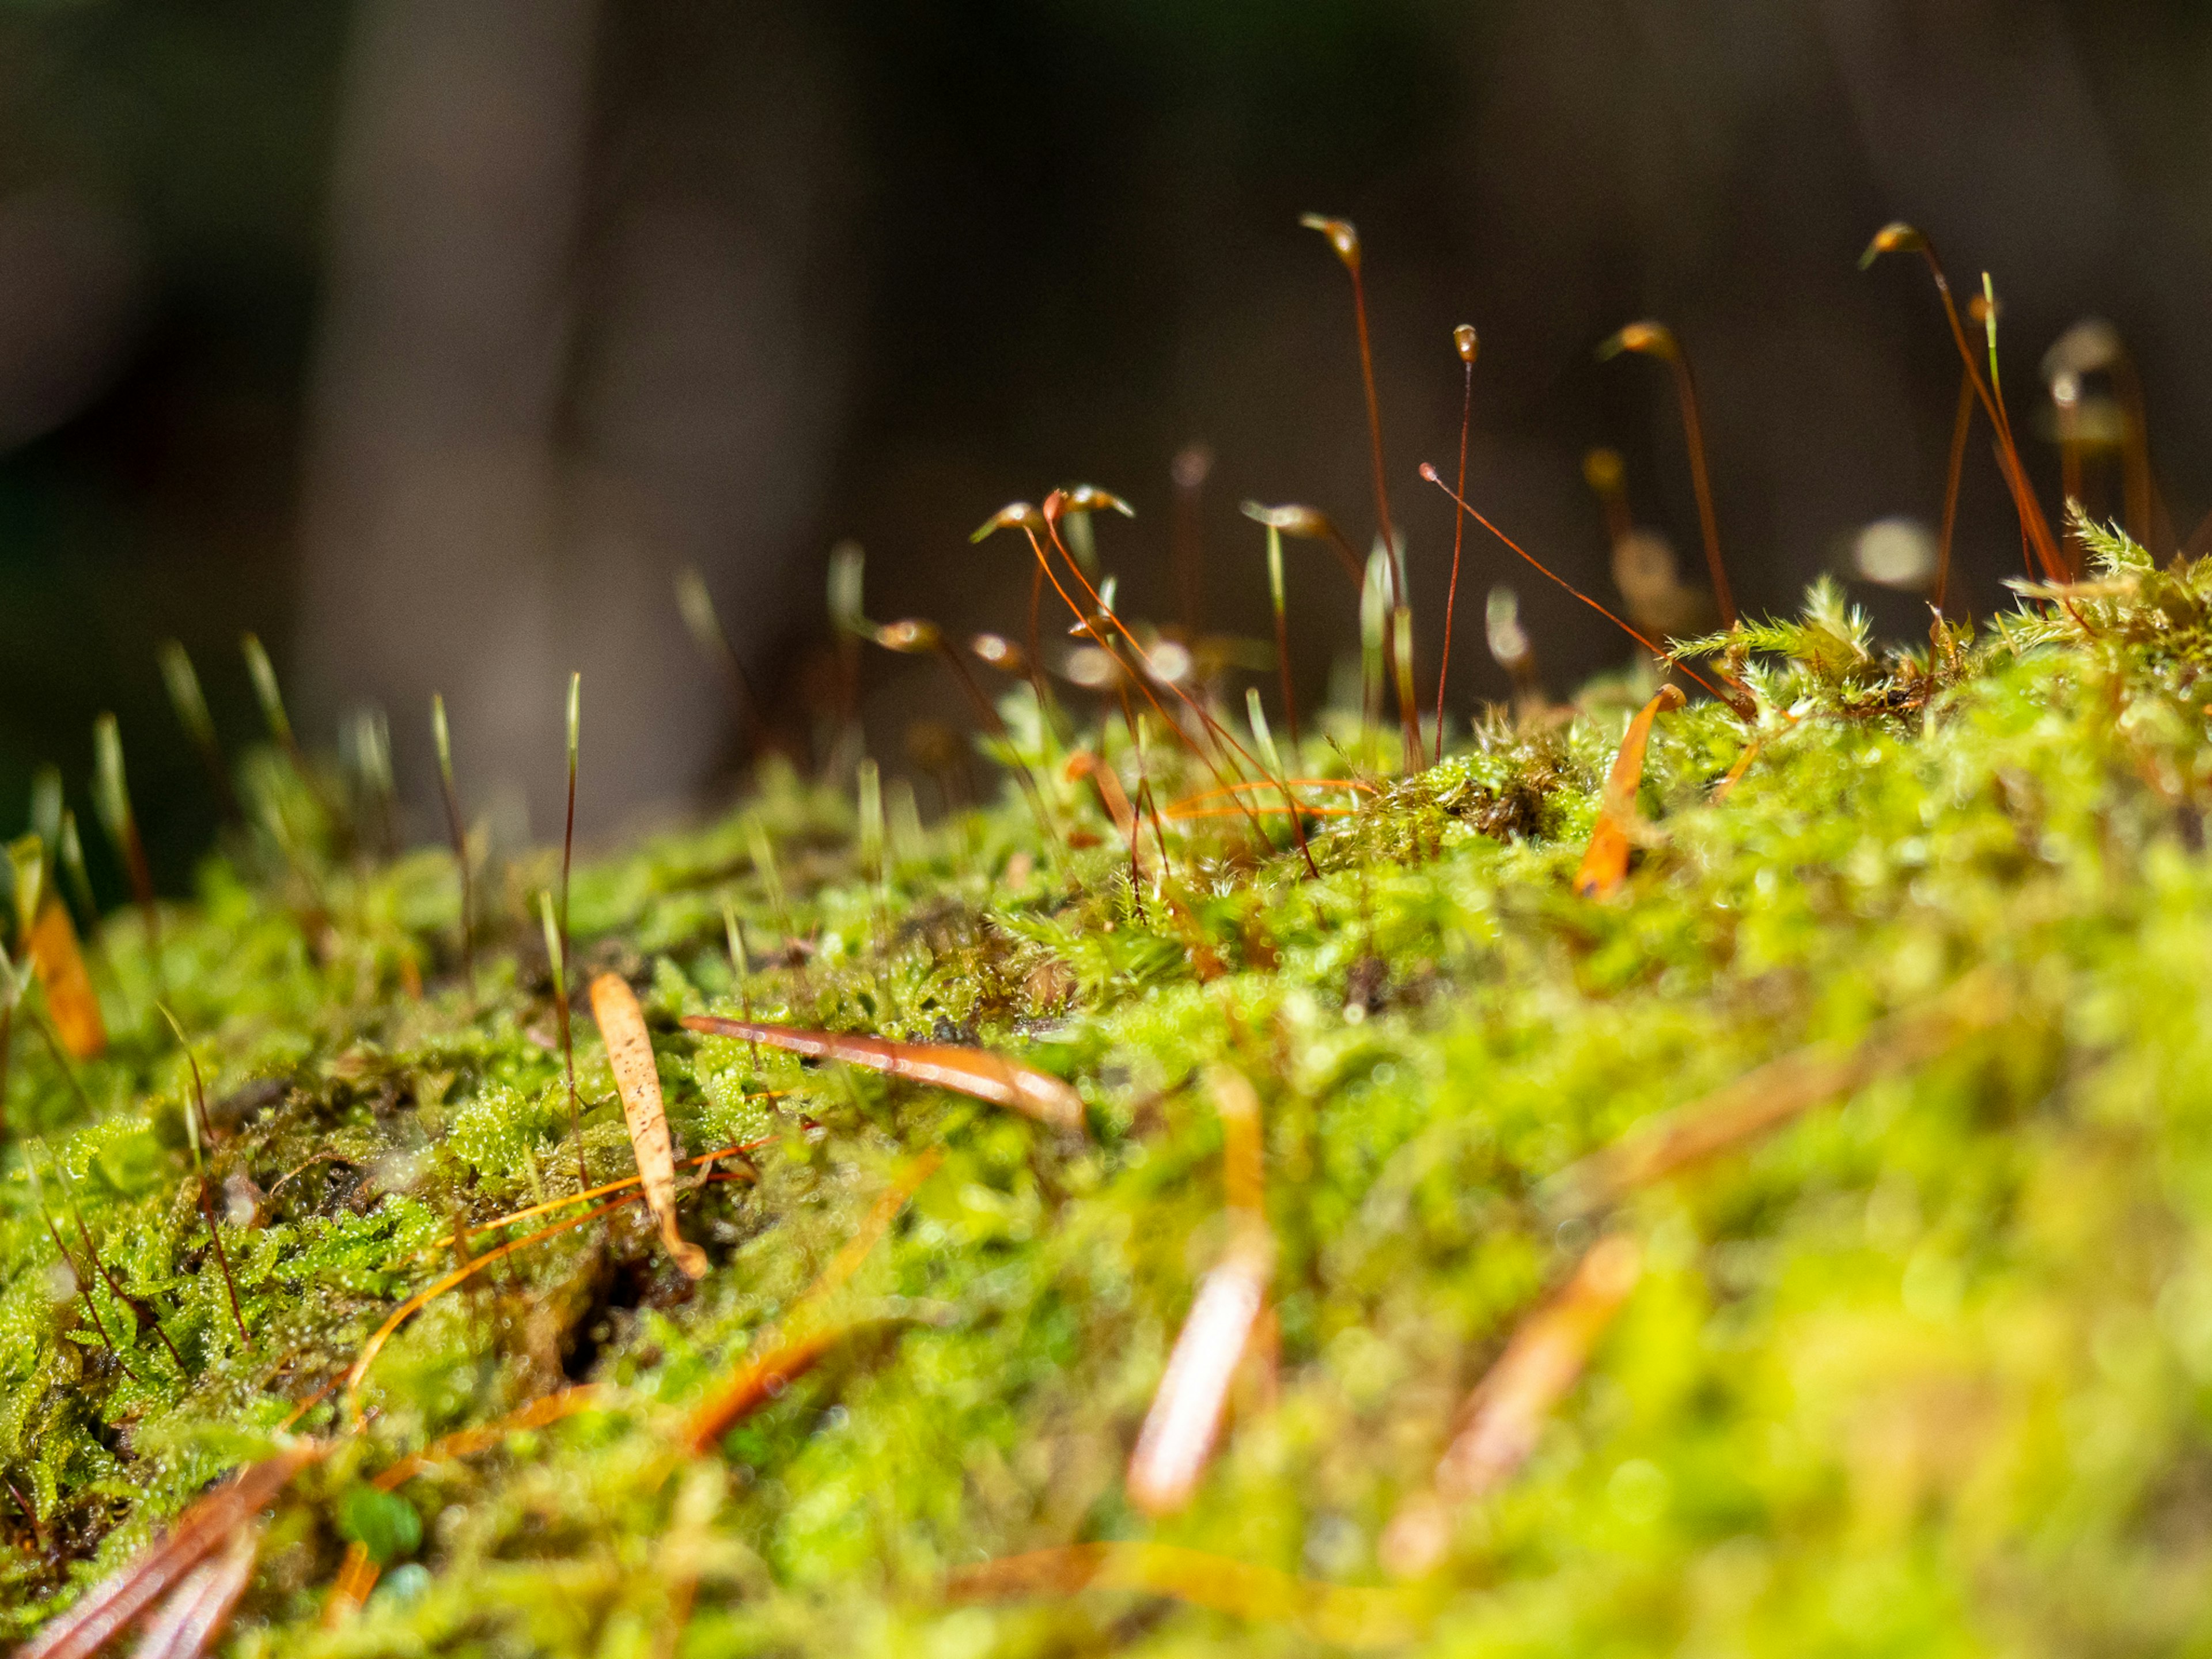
column 1656, row 340
column 1345, row 240
column 972, row 1071
column 1899, row 237
column 1431, row 474
column 50, row 944
column 1145, row 801
column 1605, row 863
column 1954, row 470
column 1465, row 338
column 1082, row 764
column 2138, row 493
column 216, row 1519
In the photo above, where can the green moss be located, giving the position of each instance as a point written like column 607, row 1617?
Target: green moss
column 1929, row 1370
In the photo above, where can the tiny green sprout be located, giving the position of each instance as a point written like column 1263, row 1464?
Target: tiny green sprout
column 870, row 788
column 555, row 955
column 1374, row 620
column 704, row 624
column 442, row 737
column 267, row 692
column 763, row 851
column 847, row 566
column 1276, row 600
column 1263, row 734
column 46, row 804
column 182, row 682
column 110, row 795
column 69, row 853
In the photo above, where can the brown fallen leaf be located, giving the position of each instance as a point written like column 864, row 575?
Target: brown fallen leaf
column 214, row 1521
column 1185, row 1417
column 1605, row 863
column 972, row 1071
column 1340, row 1615
column 199, row 1607
column 52, row 945
column 630, row 1052
column 1503, row 1416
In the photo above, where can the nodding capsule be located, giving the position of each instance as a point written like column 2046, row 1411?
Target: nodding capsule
column 1342, row 235
column 1002, row 654
column 1291, row 519
column 1651, row 339
column 1014, row 515
column 914, row 636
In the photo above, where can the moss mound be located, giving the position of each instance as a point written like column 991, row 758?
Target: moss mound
column 1924, row 1368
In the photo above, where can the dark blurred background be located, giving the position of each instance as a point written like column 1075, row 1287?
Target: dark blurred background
column 429, row 337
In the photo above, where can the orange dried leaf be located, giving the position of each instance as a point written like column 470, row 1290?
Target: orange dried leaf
column 1605, row 863
column 52, row 945
column 1335, row 1613
column 629, row 1052
column 1186, row 1413
column 1185, row 1417
column 199, row 1607
column 972, row 1071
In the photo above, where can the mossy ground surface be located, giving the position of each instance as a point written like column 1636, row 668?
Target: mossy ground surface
column 1926, row 1371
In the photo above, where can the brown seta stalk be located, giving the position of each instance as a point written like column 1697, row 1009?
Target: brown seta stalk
column 1468, row 343
column 1899, row 237
column 1343, row 238
column 1430, row 473
column 1656, row 340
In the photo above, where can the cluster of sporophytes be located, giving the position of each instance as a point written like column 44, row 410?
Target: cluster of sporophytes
column 1730, row 1174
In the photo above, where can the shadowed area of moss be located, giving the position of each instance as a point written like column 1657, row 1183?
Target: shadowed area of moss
column 1925, row 1370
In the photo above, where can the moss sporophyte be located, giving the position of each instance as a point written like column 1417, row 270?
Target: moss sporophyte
column 1722, row 1170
